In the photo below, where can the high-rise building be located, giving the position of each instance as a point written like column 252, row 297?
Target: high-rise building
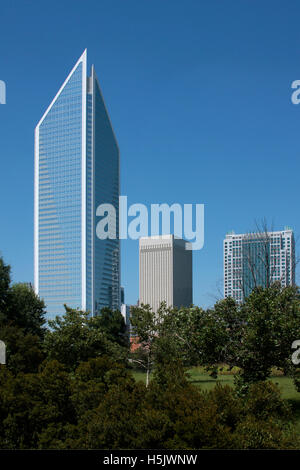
column 125, row 309
column 165, row 271
column 257, row 259
column 76, row 169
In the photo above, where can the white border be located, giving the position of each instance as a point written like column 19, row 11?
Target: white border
column 92, row 82
column 83, row 182
column 36, row 208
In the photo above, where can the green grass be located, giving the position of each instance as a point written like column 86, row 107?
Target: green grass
column 203, row 380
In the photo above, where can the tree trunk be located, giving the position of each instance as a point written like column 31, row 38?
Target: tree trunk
column 148, row 372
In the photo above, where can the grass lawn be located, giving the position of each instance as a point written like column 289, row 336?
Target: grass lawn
column 204, row 381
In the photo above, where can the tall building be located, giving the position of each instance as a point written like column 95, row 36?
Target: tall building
column 257, row 259
column 125, row 309
column 76, row 169
column 125, row 312
column 165, row 271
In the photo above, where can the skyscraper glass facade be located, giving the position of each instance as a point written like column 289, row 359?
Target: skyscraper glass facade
column 76, row 169
column 257, row 259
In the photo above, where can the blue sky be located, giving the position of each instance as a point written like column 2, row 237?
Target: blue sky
column 199, row 93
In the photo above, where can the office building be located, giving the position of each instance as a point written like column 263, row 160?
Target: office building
column 76, row 169
column 257, row 259
column 125, row 309
column 165, row 266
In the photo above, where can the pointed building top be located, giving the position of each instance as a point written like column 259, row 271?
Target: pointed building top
column 82, row 59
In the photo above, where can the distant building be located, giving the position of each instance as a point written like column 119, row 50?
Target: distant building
column 165, row 271
column 257, row 259
column 122, row 295
column 125, row 311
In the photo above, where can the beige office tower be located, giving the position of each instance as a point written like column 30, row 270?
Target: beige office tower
column 165, row 271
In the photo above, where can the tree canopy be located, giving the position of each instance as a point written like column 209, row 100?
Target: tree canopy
column 70, row 386
column 76, row 336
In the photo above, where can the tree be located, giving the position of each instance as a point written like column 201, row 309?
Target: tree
column 75, row 337
column 19, row 305
column 159, row 344
column 4, row 287
column 254, row 336
column 23, row 351
column 273, row 323
column 92, row 379
column 205, row 334
column 113, row 325
column 22, row 316
column 180, row 416
column 100, row 406
column 32, row 406
column 144, row 324
column 26, row 310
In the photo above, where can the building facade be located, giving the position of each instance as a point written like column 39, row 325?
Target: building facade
column 76, row 169
column 125, row 311
column 166, row 271
column 257, row 259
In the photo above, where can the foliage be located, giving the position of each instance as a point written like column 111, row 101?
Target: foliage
column 4, row 287
column 273, row 323
column 76, row 336
column 69, row 387
column 100, row 406
column 32, row 404
column 254, row 337
column 19, row 305
column 113, row 325
column 23, row 351
column 26, row 310
column 22, row 316
column 159, row 344
column 207, row 335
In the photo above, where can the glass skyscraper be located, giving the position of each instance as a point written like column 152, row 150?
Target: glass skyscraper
column 76, row 169
column 258, row 259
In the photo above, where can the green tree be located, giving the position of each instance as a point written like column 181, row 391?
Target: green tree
column 24, row 352
column 113, row 325
column 208, row 336
column 145, row 326
column 19, row 305
column 92, row 379
column 160, row 346
column 22, row 316
column 26, row 310
column 273, row 323
column 31, row 405
column 4, row 287
column 101, row 406
column 255, row 336
column 75, row 337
